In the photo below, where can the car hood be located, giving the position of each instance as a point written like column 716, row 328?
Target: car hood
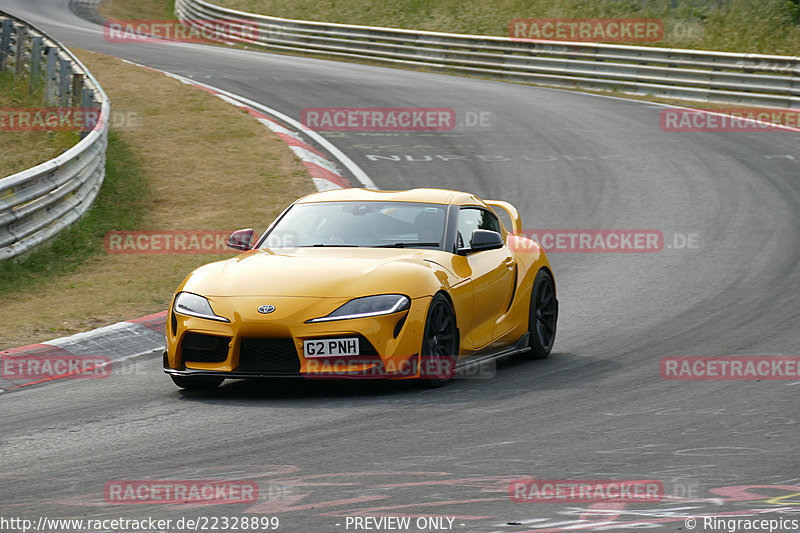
column 322, row 272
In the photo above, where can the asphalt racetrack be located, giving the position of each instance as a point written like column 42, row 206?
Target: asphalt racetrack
column 725, row 283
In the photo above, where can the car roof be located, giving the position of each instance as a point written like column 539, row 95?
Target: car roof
column 434, row 196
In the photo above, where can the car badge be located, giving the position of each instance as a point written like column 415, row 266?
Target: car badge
column 266, row 309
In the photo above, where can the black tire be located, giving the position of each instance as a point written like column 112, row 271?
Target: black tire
column 543, row 316
column 440, row 343
column 198, row 383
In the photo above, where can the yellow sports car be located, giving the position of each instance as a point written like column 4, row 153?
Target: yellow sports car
column 357, row 283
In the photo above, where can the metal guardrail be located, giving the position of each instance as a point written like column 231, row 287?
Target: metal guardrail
column 38, row 203
column 724, row 77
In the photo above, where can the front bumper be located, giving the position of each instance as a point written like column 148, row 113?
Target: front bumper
column 253, row 345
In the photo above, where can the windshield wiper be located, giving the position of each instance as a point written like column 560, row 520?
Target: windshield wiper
column 406, row 244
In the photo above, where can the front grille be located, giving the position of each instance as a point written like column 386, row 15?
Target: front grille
column 277, row 356
column 199, row 348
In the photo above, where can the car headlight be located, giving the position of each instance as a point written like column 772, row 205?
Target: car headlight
column 190, row 304
column 383, row 304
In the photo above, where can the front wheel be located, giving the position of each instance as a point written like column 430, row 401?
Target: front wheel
column 440, row 343
column 198, row 383
column 543, row 316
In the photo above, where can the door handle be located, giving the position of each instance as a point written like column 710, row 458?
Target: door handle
column 509, row 262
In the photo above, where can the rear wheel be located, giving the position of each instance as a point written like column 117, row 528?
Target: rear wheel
column 439, row 343
column 199, row 383
column 543, row 316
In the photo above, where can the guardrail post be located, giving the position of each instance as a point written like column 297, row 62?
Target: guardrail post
column 63, row 82
column 88, row 109
column 794, row 91
column 36, row 64
column 50, row 76
column 19, row 55
column 77, row 86
column 5, row 42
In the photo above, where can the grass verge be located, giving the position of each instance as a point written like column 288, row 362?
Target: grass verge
column 119, row 206
column 25, row 149
column 179, row 159
column 762, row 26
column 137, row 9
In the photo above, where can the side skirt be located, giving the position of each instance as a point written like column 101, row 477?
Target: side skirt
column 521, row 346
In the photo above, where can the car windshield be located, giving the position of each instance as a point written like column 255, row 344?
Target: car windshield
column 368, row 224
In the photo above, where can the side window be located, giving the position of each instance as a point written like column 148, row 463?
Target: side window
column 472, row 218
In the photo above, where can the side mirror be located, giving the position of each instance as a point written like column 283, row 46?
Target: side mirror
column 241, row 239
column 483, row 239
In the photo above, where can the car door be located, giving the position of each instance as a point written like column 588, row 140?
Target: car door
column 492, row 274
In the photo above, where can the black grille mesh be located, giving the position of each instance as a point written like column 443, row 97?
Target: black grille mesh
column 268, row 355
column 200, row 348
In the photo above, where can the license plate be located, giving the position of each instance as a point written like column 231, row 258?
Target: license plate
column 330, row 347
